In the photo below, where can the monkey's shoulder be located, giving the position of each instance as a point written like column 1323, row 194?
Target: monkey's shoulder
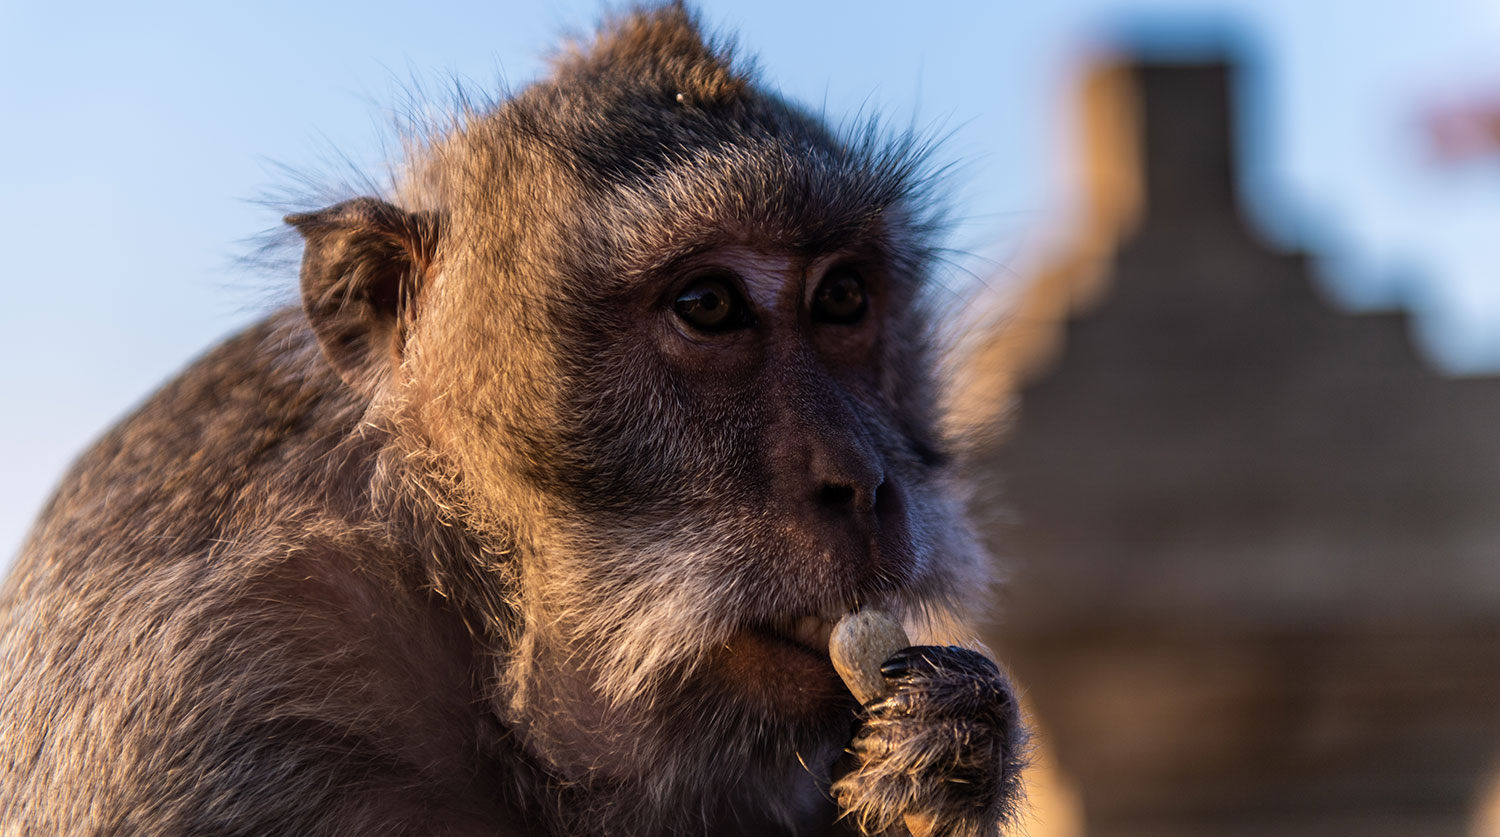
column 252, row 418
column 195, row 641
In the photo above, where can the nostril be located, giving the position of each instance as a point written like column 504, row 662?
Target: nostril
column 836, row 496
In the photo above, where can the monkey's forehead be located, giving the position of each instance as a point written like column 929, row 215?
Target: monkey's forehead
column 767, row 193
column 655, row 185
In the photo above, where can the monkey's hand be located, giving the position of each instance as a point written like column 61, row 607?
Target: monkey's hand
column 942, row 752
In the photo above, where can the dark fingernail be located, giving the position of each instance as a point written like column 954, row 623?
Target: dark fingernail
column 906, row 654
column 896, row 666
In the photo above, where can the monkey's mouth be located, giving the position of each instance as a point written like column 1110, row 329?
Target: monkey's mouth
column 810, row 633
column 782, row 666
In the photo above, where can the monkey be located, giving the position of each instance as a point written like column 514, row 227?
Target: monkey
column 533, row 516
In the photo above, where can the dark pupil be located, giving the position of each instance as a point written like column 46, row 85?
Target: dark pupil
column 709, row 304
column 841, row 299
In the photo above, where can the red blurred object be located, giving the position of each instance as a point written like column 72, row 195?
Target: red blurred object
column 1462, row 132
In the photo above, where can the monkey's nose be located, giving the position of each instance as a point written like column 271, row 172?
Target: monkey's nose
column 862, row 529
column 847, row 498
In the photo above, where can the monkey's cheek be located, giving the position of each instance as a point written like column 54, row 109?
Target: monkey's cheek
column 780, row 677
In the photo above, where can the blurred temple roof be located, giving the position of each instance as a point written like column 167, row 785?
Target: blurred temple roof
column 1256, row 568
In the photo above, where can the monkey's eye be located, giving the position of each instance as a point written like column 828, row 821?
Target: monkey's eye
column 712, row 304
column 841, row 298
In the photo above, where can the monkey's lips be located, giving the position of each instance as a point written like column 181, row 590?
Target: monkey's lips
column 783, row 665
column 810, row 633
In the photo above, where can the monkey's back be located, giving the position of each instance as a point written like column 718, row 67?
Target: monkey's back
column 186, row 465
column 199, row 619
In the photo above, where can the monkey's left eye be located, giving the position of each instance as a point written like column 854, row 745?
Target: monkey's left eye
column 712, row 304
column 840, row 298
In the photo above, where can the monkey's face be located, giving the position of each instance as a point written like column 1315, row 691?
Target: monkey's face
column 745, row 450
column 739, row 446
column 790, row 461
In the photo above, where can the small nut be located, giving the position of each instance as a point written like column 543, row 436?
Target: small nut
column 861, row 642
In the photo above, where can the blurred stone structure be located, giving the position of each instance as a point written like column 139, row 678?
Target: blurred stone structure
column 1256, row 542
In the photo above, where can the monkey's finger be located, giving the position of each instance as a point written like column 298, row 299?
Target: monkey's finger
column 903, row 661
column 870, row 747
column 898, row 705
column 950, row 659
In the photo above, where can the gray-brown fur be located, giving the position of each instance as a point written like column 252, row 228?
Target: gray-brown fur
column 466, row 545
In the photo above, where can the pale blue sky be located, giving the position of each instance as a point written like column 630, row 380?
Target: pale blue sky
column 136, row 134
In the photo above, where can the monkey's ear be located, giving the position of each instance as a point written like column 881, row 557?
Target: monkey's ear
column 363, row 265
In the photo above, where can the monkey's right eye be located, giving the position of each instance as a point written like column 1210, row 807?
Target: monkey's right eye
column 712, row 304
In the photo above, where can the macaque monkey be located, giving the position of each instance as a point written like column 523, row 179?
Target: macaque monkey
column 535, row 516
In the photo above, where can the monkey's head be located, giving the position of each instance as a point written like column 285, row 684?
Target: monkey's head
column 655, row 339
